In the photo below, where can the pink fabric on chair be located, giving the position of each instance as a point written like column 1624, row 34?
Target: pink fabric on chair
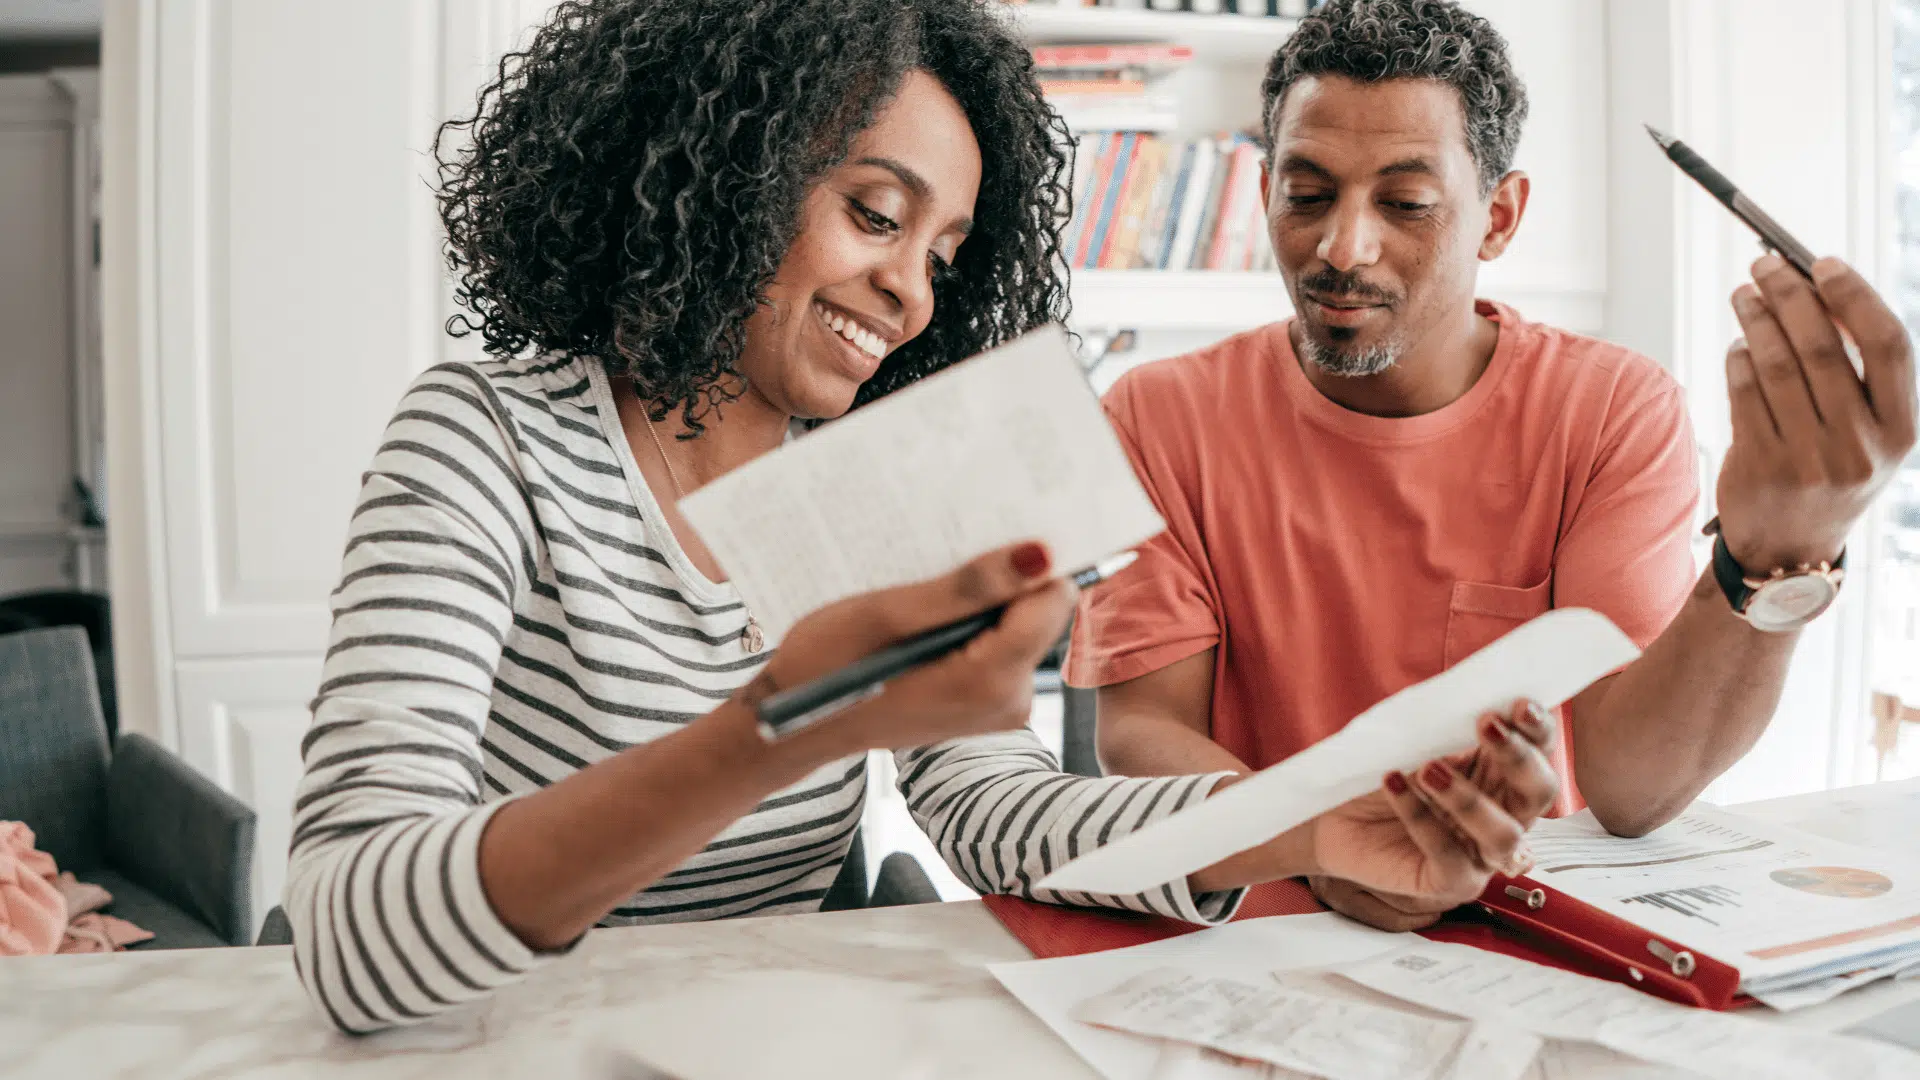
column 43, row 911
column 33, row 914
column 88, row 931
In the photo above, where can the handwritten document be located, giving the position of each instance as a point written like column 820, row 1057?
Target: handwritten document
column 1011, row 445
column 1296, row 1028
column 1548, row 660
column 1554, row 1004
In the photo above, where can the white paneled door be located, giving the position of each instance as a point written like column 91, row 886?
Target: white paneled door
column 299, row 287
column 241, row 724
column 274, row 280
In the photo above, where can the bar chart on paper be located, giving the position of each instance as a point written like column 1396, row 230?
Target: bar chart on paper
column 1696, row 901
column 1780, row 905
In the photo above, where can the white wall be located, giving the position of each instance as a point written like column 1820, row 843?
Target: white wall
column 36, row 370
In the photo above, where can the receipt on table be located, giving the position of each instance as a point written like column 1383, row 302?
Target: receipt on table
column 1011, row 445
column 1479, row 985
column 1287, row 1026
column 1548, row 660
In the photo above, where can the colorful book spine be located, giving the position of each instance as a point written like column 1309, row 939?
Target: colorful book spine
column 1193, row 206
column 1086, row 161
column 1229, row 239
column 1210, row 223
column 1097, row 57
column 1166, row 198
column 1113, row 180
column 1143, row 177
column 1103, row 175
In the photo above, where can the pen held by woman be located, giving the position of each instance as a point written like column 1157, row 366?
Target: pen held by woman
column 791, row 710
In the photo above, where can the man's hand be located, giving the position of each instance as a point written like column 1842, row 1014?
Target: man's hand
column 1812, row 442
column 1376, row 867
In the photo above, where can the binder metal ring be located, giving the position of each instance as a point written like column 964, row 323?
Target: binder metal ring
column 1535, row 899
column 1680, row 961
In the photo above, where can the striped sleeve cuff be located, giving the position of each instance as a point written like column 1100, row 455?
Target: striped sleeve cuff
column 1143, row 801
column 401, row 929
column 1174, row 899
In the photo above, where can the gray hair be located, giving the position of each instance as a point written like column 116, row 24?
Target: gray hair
column 1376, row 40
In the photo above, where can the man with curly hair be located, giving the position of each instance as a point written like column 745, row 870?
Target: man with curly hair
column 682, row 229
column 1363, row 495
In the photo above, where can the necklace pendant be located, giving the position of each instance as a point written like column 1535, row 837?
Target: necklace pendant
column 751, row 637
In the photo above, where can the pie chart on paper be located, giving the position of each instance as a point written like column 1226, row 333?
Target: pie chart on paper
column 1842, row 882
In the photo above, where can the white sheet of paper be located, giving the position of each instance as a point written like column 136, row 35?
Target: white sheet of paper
column 1771, row 900
column 1295, row 1028
column 1548, row 660
column 1479, row 985
column 1247, row 951
column 1011, row 445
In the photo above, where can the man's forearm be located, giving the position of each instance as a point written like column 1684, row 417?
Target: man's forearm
column 1146, row 745
column 1647, row 741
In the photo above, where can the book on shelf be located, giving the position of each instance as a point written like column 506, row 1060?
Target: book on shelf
column 1143, row 201
column 1292, row 9
column 1116, row 87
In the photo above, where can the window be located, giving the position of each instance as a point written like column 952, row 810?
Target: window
column 1896, row 581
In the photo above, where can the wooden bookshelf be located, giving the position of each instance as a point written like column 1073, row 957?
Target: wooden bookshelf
column 1214, row 38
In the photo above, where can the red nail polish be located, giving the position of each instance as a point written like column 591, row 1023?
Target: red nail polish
column 1396, row 783
column 1437, row 776
column 1031, row 560
column 1491, row 731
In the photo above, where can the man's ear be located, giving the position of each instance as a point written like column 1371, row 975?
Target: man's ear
column 1505, row 208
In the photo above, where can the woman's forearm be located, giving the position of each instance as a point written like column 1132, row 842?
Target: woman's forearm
column 1288, row 855
column 554, row 862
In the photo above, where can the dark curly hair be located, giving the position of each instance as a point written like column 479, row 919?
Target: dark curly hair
column 1376, row 40
column 631, row 181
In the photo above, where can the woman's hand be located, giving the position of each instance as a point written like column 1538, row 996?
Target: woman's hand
column 1400, row 858
column 1426, row 842
column 987, row 685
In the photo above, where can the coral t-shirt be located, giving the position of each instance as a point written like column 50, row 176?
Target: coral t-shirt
column 1336, row 558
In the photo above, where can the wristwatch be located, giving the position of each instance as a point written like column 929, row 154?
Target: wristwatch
column 1782, row 600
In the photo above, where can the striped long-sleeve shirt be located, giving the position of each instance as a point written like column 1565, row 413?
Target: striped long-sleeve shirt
column 512, row 609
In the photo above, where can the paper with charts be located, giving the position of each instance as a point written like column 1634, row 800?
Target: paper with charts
column 1548, row 660
column 1011, row 445
column 1787, row 908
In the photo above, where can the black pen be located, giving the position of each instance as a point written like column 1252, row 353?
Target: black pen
column 788, row 711
column 1772, row 236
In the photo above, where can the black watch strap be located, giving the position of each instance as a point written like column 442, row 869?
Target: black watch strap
column 1732, row 577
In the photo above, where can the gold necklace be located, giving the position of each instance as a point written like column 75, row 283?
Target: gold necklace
column 750, row 636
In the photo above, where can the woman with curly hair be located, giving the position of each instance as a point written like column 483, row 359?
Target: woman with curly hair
column 681, row 228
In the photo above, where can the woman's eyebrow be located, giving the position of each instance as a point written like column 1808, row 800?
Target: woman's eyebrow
column 915, row 184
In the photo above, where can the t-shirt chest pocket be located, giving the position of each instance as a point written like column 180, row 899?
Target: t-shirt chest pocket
column 1480, row 614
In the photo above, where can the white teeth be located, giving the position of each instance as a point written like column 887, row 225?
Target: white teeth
column 853, row 332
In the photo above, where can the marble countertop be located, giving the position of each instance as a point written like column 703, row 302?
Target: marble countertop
column 890, row 992
column 901, row 993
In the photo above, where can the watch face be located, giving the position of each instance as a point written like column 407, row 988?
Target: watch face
column 1791, row 602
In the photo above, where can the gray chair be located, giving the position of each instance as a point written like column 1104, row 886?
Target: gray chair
column 175, row 851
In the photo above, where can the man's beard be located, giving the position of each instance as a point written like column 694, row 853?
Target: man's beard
column 1349, row 363
column 1352, row 363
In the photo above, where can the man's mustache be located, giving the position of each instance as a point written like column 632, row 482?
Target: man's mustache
column 1333, row 284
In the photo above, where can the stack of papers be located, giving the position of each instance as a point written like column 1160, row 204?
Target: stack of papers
column 1324, row 996
column 1802, row 917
